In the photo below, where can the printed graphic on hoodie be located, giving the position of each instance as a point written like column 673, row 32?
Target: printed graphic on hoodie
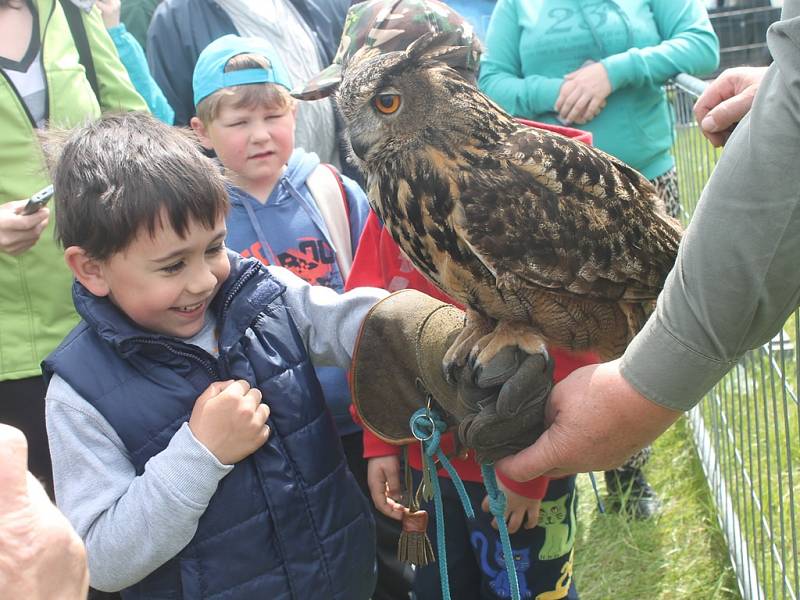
column 312, row 260
column 285, row 230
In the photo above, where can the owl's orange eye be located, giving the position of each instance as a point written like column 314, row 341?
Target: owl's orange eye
column 387, row 103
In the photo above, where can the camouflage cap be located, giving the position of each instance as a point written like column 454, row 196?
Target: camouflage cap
column 392, row 25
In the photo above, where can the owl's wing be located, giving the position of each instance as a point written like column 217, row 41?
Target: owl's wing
column 553, row 212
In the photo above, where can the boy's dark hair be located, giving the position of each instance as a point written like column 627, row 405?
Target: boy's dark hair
column 246, row 96
column 119, row 176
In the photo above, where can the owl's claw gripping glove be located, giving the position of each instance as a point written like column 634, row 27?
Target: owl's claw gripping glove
column 397, row 369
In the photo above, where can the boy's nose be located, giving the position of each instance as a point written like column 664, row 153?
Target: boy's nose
column 261, row 132
column 202, row 281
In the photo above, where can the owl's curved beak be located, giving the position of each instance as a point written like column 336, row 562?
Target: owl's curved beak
column 359, row 149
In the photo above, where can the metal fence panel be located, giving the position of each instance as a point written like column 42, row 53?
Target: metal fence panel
column 747, row 430
column 742, row 34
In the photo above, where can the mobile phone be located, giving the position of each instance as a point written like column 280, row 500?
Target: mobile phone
column 37, row 201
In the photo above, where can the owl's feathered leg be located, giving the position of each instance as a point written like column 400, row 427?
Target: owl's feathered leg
column 476, row 327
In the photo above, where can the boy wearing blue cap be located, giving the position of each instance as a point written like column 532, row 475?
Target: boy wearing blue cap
column 287, row 209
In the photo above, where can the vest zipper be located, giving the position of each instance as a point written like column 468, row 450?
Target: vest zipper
column 207, row 365
column 243, row 279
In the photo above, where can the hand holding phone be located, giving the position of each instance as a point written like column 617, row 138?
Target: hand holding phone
column 18, row 231
column 37, row 201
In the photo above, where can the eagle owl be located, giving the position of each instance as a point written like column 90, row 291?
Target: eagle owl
column 545, row 240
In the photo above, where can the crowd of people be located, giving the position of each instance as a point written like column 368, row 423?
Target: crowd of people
column 211, row 255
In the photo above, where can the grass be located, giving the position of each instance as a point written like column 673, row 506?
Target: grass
column 679, row 555
column 754, row 419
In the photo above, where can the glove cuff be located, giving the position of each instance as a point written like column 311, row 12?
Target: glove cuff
column 401, row 343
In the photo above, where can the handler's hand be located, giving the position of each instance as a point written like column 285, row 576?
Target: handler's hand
column 19, row 233
column 383, row 480
column 726, row 101
column 596, row 421
column 41, row 556
column 520, row 510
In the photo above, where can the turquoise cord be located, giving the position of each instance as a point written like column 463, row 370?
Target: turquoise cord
column 497, row 506
column 427, row 426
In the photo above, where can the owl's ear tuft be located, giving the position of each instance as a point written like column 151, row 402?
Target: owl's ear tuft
column 438, row 47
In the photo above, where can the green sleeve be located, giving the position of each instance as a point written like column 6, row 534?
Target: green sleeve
column 501, row 75
column 736, row 279
column 136, row 15
column 116, row 90
column 689, row 46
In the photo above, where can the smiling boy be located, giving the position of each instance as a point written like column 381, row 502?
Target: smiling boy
column 182, row 480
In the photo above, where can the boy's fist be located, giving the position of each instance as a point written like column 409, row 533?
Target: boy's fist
column 230, row 420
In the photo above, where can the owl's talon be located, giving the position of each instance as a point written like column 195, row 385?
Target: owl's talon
column 471, row 366
column 456, row 357
column 451, row 371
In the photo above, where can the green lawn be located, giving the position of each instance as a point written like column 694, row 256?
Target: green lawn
column 680, row 555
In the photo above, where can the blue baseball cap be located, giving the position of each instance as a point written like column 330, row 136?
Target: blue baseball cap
column 209, row 72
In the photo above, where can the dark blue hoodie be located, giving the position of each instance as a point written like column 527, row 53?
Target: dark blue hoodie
column 296, row 238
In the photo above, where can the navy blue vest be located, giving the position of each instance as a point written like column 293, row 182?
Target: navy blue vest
column 288, row 521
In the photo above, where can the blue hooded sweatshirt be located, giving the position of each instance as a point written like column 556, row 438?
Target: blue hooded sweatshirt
column 288, row 231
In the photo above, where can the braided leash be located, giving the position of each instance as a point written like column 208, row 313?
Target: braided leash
column 497, row 506
column 427, row 426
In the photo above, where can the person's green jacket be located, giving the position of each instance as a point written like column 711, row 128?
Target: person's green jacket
column 137, row 14
column 36, row 309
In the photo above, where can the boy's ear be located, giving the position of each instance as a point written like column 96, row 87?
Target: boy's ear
column 200, row 131
column 89, row 271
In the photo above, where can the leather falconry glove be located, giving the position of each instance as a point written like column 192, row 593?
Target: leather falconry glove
column 497, row 409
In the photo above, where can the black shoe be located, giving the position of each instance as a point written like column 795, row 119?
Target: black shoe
column 630, row 494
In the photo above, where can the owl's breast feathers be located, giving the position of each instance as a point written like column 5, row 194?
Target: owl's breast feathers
column 532, row 208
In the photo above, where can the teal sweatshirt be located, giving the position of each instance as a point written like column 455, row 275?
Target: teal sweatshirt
column 532, row 44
